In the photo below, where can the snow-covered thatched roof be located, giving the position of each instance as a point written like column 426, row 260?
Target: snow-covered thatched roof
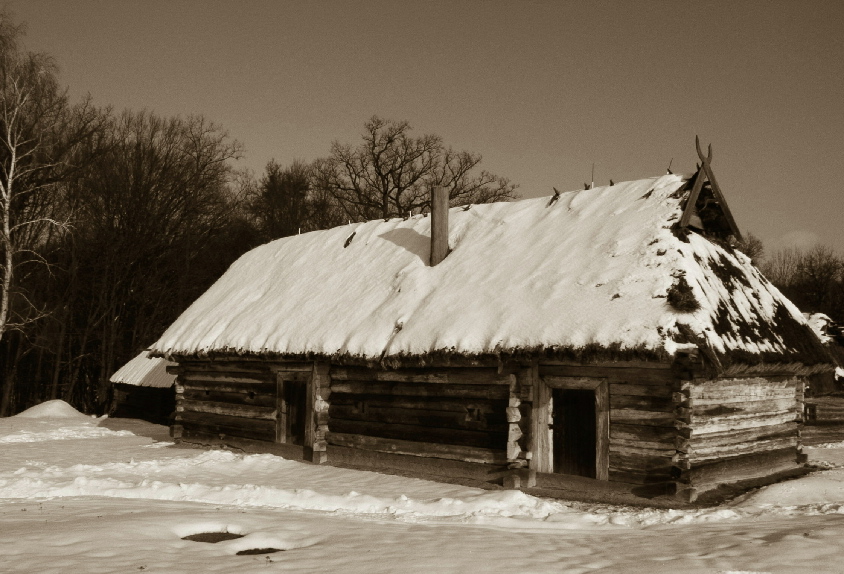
column 831, row 335
column 145, row 371
column 600, row 270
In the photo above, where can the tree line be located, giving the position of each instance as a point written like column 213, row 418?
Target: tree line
column 112, row 223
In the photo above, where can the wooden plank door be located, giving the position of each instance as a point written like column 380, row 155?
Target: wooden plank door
column 577, row 411
column 574, row 433
column 291, row 409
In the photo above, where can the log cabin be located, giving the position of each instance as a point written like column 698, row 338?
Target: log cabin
column 832, row 337
column 824, row 403
column 611, row 333
column 143, row 389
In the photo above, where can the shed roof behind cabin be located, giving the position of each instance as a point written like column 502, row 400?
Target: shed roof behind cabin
column 590, row 270
column 831, row 335
column 145, row 371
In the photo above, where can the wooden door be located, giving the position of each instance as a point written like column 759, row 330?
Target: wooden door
column 573, row 435
column 291, row 411
column 571, row 423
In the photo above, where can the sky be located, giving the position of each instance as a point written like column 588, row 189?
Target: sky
column 542, row 90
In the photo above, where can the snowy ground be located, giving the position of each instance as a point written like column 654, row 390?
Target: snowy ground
column 76, row 496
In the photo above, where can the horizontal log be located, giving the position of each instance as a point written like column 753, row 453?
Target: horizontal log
column 640, row 390
column 253, row 367
column 422, row 390
column 642, row 449
column 619, row 445
column 426, row 418
column 640, row 462
column 643, row 403
column 631, row 476
column 714, row 424
column 494, row 440
column 238, row 378
column 705, row 420
column 724, row 389
column 557, row 382
column 741, row 467
column 197, row 430
column 463, row 376
column 826, row 408
column 638, row 376
column 414, row 448
column 608, row 364
column 228, row 409
column 734, row 436
column 234, row 426
column 264, row 388
column 719, row 452
column 227, row 420
column 729, row 398
column 759, row 406
column 643, row 432
column 245, row 363
column 639, row 417
column 425, row 403
column 240, row 398
column 301, row 366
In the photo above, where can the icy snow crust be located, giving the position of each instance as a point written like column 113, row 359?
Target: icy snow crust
column 591, row 268
column 126, row 470
column 76, row 502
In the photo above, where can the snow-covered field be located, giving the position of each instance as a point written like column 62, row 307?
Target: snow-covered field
column 77, row 496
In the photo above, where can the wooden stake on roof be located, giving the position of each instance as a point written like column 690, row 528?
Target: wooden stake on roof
column 705, row 172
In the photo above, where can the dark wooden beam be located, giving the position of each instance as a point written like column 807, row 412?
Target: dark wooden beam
column 439, row 224
column 690, row 205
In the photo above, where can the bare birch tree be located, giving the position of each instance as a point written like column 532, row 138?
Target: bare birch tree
column 39, row 135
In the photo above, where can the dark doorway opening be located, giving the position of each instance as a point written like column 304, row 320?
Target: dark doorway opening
column 292, row 411
column 574, row 437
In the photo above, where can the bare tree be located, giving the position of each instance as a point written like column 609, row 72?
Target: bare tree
column 40, row 135
column 752, row 246
column 280, row 202
column 812, row 279
column 146, row 215
column 391, row 173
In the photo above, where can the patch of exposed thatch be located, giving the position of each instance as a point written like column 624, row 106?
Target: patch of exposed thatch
column 730, row 275
column 799, row 343
column 681, row 297
column 586, row 355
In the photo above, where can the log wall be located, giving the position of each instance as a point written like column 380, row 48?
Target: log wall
column 230, row 398
column 452, row 413
column 734, row 418
column 665, row 423
column 643, row 416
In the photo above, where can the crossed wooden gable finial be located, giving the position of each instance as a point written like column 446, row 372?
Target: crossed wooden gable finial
column 703, row 174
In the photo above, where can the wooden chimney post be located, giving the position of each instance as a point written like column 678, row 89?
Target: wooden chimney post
column 439, row 224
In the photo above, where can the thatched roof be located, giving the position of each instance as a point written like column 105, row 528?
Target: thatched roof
column 596, row 272
column 831, row 335
column 145, row 371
